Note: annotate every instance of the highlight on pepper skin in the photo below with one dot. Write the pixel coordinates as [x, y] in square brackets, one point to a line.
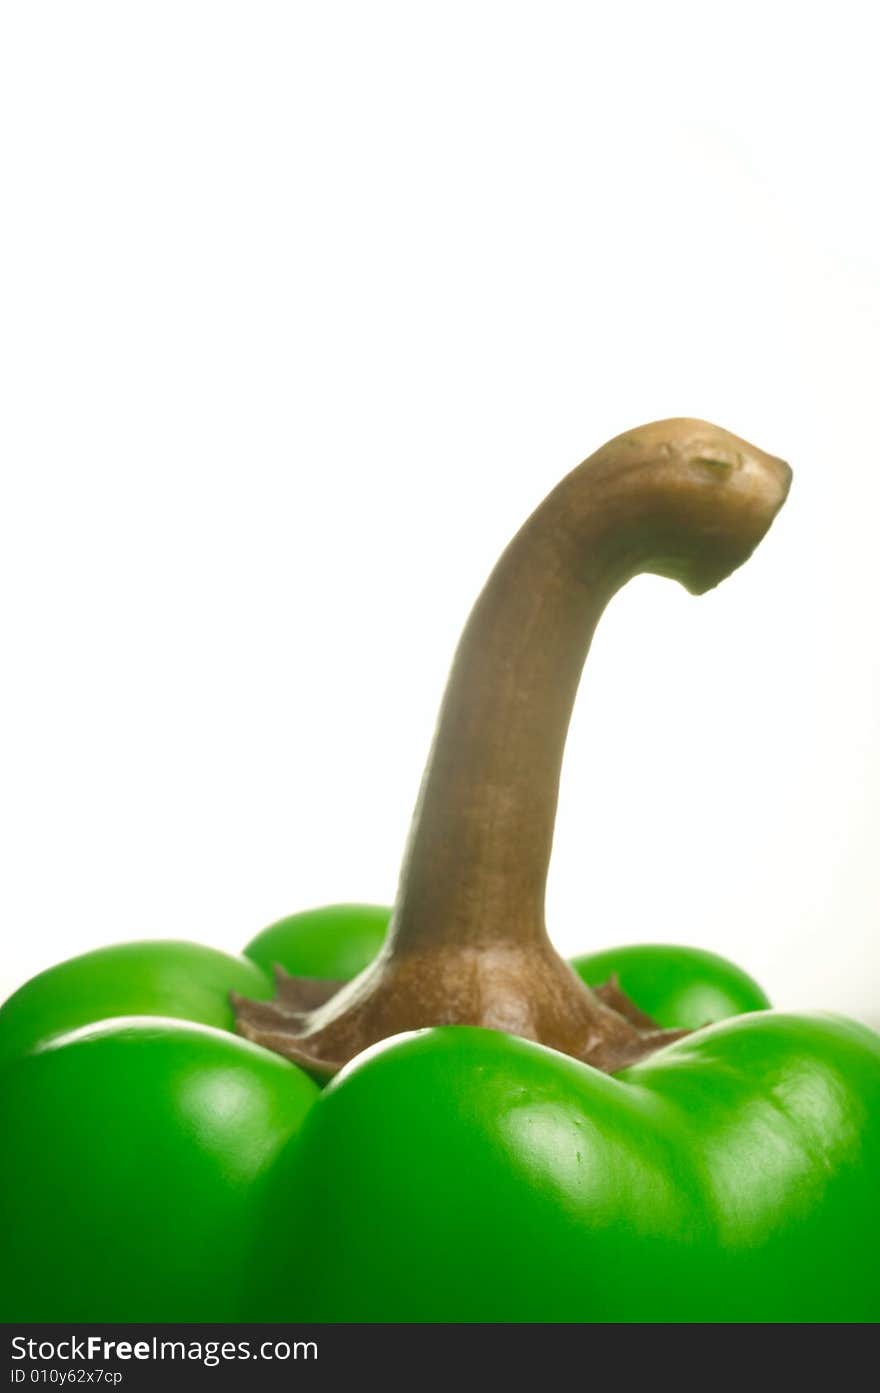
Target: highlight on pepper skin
[320, 1128]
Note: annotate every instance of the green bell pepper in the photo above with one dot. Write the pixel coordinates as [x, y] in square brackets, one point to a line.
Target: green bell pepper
[503, 1136]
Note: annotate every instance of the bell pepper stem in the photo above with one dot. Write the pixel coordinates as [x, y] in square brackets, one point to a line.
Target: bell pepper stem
[467, 942]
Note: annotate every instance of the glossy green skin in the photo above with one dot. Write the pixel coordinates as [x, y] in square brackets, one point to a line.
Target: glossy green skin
[680, 988]
[153, 978]
[135, 1160]
[167, 1171]
[336, 942]
[731, 1177]
[136, 1151]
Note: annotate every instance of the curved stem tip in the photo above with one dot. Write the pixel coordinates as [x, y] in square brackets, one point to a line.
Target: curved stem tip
[467, 943]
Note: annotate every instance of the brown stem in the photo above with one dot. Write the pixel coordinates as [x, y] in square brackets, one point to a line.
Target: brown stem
[467, 942]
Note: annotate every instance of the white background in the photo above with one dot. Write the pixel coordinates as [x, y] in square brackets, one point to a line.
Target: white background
[304, 308]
